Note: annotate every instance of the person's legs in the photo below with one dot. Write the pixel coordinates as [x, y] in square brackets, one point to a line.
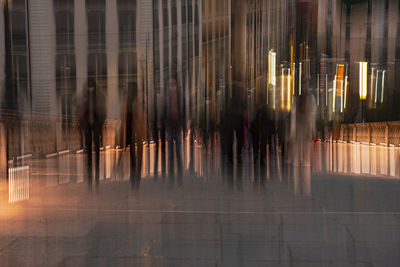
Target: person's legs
[178, 142]
[229, 147]
[170, 151]
[88, 143]
[156, 152]
[132, 158]
[162, 137]
[307, 152]
[96, 137]
[191, 150]
[240, 141]
[263, 149]
[255, 139]
[139, 156]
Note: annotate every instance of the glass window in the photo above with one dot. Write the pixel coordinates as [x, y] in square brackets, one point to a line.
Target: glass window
[95, 4]
[64, 30]
[126, 4]
[127, 69]
[196, 15]
[156, 21]
[96, 29]
[127, 29]
[165, 17]
[65, 72]
[183, 13]
[63, 4]
[190, 15]
[18, 29]
[174, 15]
[18, 5]
[97, 64]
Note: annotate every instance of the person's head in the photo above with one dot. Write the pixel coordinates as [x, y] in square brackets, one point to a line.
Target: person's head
[91, 84]
[172, 84]
[133, 89]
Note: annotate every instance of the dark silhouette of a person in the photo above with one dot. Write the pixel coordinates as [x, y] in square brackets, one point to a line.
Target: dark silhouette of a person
[92, 116]
[134, 132]
[174, 128]
[262, 129]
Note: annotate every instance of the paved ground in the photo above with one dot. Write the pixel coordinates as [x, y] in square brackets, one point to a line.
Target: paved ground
[295, 218]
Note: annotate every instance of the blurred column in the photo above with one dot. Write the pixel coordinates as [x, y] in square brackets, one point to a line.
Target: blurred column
[42, 56]
[80, 44]
[303, 39]
[144, 35]
[112, 41]
[239, 8]
[3, 152]
[2, 55]
[3, 139]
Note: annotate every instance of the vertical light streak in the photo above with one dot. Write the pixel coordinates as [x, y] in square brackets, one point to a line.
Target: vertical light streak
[376, 86]
[318, 90]
[363, 79]
[383, 85]
[345, 91]
[334, 95]
[341, 96]
[326, 90]
[293, 77]
[272, 74]
[282, 91]
[271, 68]
[300, 78]
[288, 91]
[372, 86]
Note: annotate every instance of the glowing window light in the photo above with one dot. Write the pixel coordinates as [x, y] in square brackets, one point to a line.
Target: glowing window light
[318, 89]
[346, 84]
[293, 77]
[334, 94]
[272, 75]
[383, 85]
[339, 78]
[326, 90]
[282, 90]
[288, 91]
[300, 78]
[376, 86]
[272, 68]
[286, 97]
[363, 70]
[341, 96]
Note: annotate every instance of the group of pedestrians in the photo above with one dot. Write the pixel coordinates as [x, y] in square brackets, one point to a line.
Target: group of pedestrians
[289, 133]
[134, 132]
[292, 133]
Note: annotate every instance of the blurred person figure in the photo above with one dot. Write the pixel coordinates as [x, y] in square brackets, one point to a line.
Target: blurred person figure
[134, 130]
[261, 129]
[303, 128]
[159, 127]
[233, 123]
[174, 128]
[92, 114]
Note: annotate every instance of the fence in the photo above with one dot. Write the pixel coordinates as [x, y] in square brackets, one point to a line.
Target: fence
[379, 133]
[18, 183]
[40, 134]
[357, 159]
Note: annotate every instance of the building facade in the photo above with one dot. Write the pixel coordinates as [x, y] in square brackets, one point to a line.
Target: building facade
[51, 47]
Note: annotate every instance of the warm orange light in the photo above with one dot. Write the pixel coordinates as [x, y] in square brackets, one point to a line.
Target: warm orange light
[282, 91]
[272, 68]
[286, 96]
[288, 92]
[339, 79]
[363, 79]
